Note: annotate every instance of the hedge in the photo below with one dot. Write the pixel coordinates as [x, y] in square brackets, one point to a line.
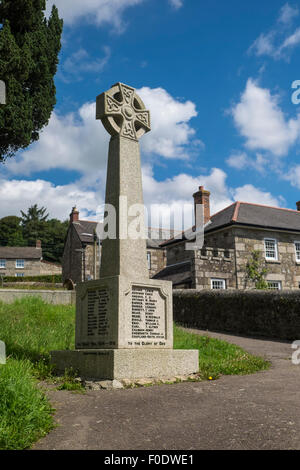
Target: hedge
[53, 278]
[272, 314]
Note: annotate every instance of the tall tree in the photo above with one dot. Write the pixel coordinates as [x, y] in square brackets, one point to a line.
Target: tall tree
[29, 48]
[11, 231]
[52, 232]
[34, 224]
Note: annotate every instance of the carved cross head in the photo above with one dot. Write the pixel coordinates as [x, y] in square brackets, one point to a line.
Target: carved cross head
[122, 112]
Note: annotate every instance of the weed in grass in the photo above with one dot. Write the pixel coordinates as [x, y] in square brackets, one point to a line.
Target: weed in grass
[70, 382]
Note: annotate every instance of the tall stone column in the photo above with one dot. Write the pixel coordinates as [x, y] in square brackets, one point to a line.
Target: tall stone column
[124, 116]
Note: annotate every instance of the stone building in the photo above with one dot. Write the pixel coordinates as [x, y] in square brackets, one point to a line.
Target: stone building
[231, 236]
[82, 251]
[25, 261]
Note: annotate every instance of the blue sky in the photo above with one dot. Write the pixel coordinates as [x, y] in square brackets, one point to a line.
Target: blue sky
[217, 77]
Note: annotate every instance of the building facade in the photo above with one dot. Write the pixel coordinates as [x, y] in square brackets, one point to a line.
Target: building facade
[25, 261]
[230, 238]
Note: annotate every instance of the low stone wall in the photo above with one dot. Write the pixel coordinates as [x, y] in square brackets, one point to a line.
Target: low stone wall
[50, 296]
[255, 313]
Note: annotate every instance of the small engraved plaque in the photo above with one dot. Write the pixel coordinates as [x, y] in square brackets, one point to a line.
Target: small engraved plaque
[148, 314]
[98, 320]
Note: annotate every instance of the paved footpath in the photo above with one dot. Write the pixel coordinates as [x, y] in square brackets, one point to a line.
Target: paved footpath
[260, 411]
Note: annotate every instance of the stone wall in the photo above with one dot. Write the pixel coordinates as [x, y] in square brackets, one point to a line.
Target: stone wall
[177, 253]
[158, 260]
[214, 263]
[49, 296]
[285, 269]
[49, 268]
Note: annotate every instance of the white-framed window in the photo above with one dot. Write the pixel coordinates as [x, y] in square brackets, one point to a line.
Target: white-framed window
[20, 263]
[19, 274]
[218, 284]
[2, 263]
[149, 260]
[297, 250]
[271, 250]
[274, 285]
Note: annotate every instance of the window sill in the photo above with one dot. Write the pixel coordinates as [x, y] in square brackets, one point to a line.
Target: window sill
[273, 261]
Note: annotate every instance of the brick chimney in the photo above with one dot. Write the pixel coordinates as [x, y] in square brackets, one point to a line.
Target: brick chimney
[202, 197]
[298, 206]
[38, 244]
[74, 216]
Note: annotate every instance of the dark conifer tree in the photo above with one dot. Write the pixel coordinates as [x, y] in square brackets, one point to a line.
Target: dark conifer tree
[29, 49]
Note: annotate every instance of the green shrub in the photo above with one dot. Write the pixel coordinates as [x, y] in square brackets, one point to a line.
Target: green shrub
[273, 314]
[53, 278]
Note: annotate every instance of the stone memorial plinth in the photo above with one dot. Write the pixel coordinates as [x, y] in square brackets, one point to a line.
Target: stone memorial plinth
[124, 320]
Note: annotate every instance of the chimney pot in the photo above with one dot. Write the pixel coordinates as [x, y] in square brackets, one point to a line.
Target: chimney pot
[202, 197]
[38, 244]
[74, 216]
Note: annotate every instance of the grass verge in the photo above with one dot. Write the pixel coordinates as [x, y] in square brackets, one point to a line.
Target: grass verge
[217, 357]
[25, 413]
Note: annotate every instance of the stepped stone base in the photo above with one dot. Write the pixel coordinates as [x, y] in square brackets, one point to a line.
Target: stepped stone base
[127, 363]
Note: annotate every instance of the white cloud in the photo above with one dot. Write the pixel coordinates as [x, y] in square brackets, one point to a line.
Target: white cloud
[97, 12]
[261, 121]
[80, 62]
[78, 142]
[291, 40]
[263, 45]
[170, 118]
[249, 193]
[241, 160]
[74, 142]
[18, 195]
[280, 39]
[293, 176]
[176, 3]
[287, 13]
[170, 194]
[238, 160]
[180, 188]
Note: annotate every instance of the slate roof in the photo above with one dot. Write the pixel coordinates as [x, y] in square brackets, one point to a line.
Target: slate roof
[256, 215]
[85, 230]
[178, 273]
[20, 252]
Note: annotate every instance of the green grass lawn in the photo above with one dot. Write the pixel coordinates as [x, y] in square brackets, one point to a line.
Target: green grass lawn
[217, 357]
[31, 329]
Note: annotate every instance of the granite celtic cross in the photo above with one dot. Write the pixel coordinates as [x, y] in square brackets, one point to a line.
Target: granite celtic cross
[123, 113]
[124, 320]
